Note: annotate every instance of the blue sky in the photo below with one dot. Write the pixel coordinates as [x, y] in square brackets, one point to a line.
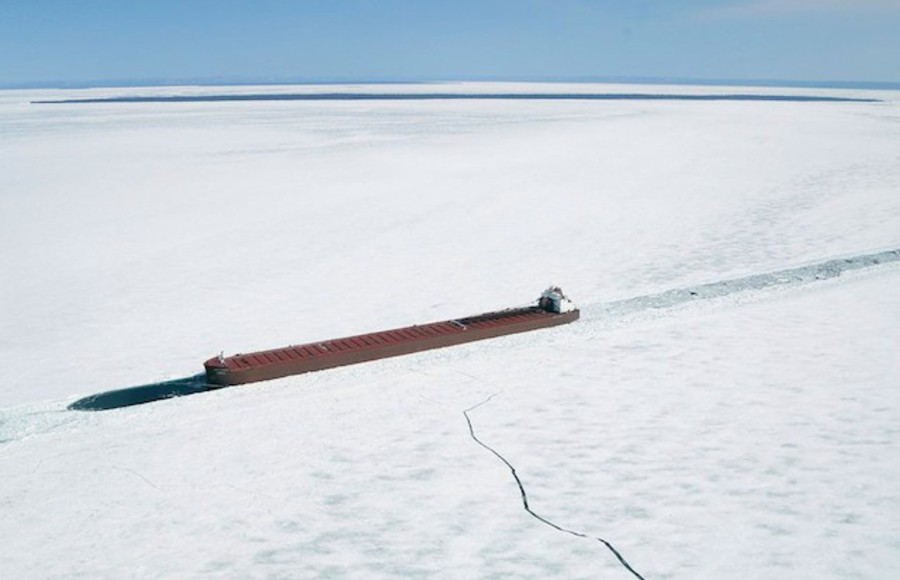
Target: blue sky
[69, 41]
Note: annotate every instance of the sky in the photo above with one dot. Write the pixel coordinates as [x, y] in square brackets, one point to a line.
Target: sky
[109, 41]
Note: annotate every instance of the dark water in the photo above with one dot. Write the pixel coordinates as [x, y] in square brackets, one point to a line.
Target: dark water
[457, 97]
[143, 394]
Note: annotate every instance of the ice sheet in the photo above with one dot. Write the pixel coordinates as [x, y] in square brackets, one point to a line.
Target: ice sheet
[744, 436]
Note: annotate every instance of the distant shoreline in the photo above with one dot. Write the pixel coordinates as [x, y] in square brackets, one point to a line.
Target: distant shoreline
[237, 82]
[455, 97]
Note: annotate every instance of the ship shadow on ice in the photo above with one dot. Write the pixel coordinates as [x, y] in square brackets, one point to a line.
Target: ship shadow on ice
[143, 394]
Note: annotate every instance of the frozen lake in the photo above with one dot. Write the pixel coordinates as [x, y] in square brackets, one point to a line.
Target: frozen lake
[730, 434]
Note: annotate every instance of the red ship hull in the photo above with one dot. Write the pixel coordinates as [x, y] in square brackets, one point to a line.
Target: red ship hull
[316, 356]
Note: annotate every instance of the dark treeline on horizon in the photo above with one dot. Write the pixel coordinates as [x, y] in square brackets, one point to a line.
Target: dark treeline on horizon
[454, 96]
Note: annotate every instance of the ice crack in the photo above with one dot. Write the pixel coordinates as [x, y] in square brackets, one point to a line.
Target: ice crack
[524, 494]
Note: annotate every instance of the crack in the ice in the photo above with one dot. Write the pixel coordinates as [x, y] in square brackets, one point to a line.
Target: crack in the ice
[135, 473]
[524, 495]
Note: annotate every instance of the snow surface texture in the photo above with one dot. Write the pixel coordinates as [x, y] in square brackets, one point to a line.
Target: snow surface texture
[739, 435]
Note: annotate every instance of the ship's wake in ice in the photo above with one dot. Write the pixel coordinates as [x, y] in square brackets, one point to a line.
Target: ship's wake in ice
[782, 278]
[142, 394]
[591, 315]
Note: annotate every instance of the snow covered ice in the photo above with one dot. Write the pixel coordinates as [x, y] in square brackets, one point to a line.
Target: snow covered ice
[746, 434]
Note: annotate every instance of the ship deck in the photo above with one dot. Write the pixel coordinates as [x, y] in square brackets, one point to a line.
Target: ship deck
[294, 359]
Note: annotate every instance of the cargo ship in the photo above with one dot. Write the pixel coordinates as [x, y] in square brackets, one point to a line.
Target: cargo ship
[553, 308]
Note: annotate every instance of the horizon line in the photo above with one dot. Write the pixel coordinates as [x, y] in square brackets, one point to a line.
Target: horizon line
[583, 79]
[242, 97]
